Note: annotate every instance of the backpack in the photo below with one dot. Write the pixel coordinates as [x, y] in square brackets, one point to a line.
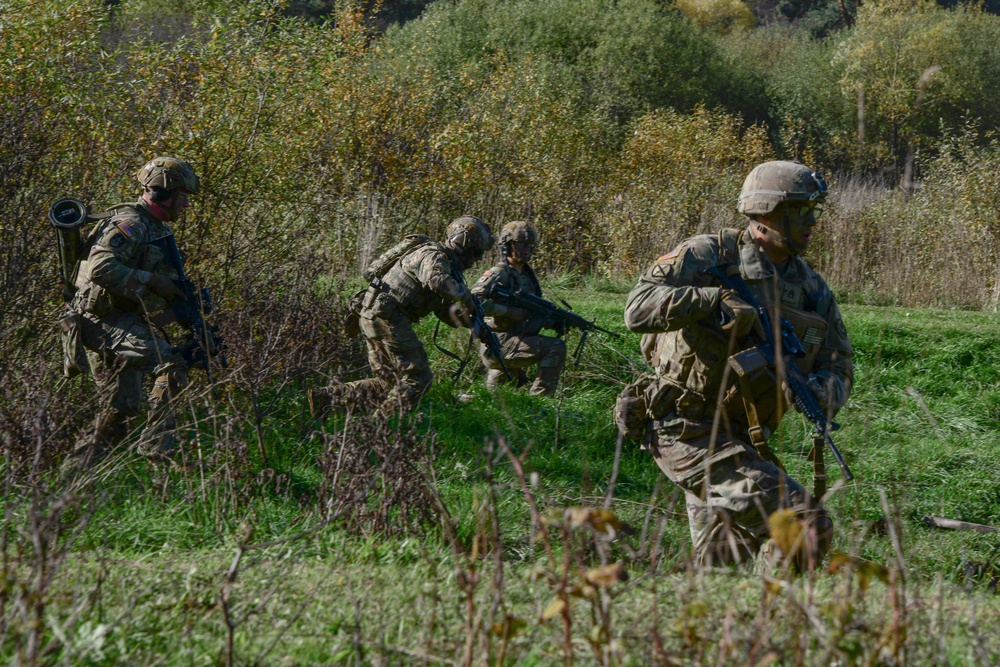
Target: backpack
[381, 265]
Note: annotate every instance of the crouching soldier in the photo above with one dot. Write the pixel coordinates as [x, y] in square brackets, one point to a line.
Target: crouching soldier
[413, 279]
[519, 329]
[122, 282]
[703, 334]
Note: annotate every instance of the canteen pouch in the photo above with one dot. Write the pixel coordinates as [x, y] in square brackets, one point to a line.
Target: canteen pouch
[74, 354]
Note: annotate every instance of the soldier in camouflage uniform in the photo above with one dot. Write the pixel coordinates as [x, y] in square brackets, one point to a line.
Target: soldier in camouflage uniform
[427, 278]
[123, 282]
[517, 328]
[732, 481]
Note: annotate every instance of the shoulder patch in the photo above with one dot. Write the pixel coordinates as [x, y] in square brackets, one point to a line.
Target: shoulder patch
[487, 273]
[126, 228]
[117, 241]
[671, 255]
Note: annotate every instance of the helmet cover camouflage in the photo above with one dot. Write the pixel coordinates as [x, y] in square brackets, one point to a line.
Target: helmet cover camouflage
[518, 231]
[770, 184]
[168, 173]
[469, 234]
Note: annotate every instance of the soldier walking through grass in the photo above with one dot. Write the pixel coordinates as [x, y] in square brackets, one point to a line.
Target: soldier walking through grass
[411, 280]
[124, 280]
[704, 343]
[519, 329]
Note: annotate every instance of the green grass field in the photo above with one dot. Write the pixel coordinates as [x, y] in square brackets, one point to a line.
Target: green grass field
[303, 560]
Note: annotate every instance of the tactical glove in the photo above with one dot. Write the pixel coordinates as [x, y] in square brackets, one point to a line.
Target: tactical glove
[163, 286]
[738, 317]
[468, 301]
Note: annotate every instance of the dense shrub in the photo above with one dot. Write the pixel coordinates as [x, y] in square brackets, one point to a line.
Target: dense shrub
[628, 56]
[816, 123]
[921, 68]
[605, 123]
[679, 174]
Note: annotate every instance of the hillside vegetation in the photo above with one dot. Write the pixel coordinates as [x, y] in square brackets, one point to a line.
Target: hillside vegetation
[618, 128]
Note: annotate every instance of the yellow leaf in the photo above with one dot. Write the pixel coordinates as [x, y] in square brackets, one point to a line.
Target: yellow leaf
[866, 569]
[786, 530]
[600, 520]
[774, 586]
[606, 575]
[554, 609]
[509, 627]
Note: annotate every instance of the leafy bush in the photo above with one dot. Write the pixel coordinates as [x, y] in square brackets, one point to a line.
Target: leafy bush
[922, 68]
[628, 56]
[815, 122]
[679, 175]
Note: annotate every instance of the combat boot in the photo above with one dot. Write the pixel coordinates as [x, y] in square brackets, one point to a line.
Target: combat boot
[94, 447]
[546, 382]
[322, 400]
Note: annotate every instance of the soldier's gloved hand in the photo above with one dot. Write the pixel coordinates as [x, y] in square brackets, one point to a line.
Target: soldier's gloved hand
[817, 388]
[163, 286]
[736, 315]
[468, 302]
[460, 313]
[789, 396]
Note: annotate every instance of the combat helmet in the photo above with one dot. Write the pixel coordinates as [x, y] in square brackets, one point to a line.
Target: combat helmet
[788, 193]
[770, 184]
[168, 173]
[469, 237]
[517, 231]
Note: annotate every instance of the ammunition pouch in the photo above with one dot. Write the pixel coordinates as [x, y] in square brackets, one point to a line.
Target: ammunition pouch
[631, 414]
[74, 353]
[664, 397]
[753, 397]
[352, 323]
[95, 301]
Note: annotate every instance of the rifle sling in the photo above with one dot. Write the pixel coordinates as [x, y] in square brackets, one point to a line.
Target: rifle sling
[819, 468]
[755, 431]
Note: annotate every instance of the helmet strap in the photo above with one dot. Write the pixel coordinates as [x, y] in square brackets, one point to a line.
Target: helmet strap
[780, 239]
[159, 212]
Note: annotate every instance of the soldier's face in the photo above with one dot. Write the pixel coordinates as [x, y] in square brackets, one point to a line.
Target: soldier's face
[522, 252]
[177, 204]
[801, 222]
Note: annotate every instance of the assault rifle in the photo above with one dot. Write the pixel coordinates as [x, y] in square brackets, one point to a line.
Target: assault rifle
[791, 348]
[562, 318]
[189, 309]
[481, 330]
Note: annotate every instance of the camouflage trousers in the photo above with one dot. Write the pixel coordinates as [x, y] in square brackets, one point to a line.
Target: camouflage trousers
[521, 351]
[398, 360]
[730, 491]
[121, 350]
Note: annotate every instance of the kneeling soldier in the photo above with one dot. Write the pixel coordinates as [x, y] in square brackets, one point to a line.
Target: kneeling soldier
[518, 328]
